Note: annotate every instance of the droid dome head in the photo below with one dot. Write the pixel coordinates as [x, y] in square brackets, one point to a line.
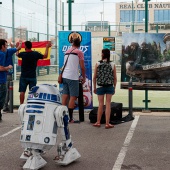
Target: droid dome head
[44, 93]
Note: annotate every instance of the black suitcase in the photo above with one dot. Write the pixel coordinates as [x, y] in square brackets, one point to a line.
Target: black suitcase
[115, 116]
[93, 116]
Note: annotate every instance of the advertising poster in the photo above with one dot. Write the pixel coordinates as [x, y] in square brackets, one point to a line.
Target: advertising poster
[65, 38]
[109, 42]
[39, 47]
[146, 59]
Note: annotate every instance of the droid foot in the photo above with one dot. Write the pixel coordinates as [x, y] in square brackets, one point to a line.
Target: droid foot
[26, 154]
[71, 155]
[34, 162]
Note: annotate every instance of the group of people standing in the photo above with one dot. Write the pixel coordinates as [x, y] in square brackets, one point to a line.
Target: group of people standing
[28, 70]
[104, 79]
[104, 72]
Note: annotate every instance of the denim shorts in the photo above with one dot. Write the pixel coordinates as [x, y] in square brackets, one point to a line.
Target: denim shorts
[71, 87]
[24, 82]
[105, 90]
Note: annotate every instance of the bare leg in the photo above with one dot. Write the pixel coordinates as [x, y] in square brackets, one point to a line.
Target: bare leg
[108, 109]
[100, 108]
[65, 99]
[22, 97]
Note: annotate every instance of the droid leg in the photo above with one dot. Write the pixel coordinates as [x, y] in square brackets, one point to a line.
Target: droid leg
[66, 152]
[34, 161]
[21, 111]
[28, 152]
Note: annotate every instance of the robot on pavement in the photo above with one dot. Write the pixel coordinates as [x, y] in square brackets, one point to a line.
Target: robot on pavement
[41, 118]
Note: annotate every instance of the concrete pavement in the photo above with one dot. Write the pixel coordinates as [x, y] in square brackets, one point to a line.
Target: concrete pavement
[141, 144]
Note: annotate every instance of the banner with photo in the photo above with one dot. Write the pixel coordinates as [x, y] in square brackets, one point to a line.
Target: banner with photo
[146, 60]
[39, 47]
[65, 38]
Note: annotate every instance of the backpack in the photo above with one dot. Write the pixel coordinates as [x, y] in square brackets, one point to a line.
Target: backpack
[104, 74]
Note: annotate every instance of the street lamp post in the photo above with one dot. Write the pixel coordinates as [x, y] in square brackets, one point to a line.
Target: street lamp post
[101, 20]
[31, 13]
[103, 17]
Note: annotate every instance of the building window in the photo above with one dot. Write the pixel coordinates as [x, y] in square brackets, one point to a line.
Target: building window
[162, 16]
[126, 16]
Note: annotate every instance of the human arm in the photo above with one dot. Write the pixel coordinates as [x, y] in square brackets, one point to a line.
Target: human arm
[18, 47]
[115, 76]
[46, 50]
[2, 68]
[83, 70]
[94, 79]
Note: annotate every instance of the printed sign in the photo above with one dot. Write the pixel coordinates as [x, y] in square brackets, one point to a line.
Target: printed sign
[146, 59]
[109, 42]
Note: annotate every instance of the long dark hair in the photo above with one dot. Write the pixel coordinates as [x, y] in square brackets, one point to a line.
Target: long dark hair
[106, 54]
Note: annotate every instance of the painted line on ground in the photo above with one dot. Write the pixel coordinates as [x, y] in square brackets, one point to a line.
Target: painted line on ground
[6, 134]
[122, 154]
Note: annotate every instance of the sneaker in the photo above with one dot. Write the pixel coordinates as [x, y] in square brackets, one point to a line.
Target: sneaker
[6, 109]
[74, 121]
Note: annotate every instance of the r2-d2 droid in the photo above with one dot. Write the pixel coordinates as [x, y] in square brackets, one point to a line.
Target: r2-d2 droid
[41, 117]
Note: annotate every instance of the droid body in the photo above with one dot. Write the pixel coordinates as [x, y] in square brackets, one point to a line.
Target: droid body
[41, 118]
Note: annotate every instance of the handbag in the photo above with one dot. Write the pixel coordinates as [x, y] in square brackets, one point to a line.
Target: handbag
[60, 78]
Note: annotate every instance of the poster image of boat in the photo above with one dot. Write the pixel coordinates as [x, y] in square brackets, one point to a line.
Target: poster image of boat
[146, 59]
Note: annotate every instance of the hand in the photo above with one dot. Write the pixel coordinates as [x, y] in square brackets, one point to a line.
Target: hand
[94, 91]
[18, 43]
[49, 44]
[10, 67]
[11, 44]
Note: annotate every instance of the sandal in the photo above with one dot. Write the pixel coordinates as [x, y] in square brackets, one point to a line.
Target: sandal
[96, 124]
[108, 126]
